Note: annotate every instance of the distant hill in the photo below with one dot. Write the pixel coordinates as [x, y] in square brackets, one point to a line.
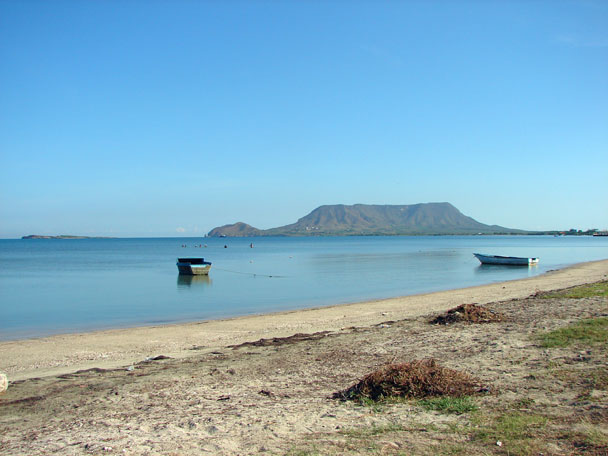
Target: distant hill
[373, 219]
[238, 229]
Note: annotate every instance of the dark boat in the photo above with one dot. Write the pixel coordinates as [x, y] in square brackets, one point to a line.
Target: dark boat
[511, 261]
[193, 266]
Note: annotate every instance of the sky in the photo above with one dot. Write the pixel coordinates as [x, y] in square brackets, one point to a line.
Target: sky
[169, 118]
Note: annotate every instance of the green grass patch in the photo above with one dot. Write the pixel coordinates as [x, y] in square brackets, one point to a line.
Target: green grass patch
[513, 426]
[583, 291]
[517, 432]
[372, 405]
[524, 402]
[594, 435]
[447, 404]
[589, 332]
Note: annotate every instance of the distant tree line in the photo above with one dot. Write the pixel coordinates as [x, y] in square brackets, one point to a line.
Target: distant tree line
[570, 232]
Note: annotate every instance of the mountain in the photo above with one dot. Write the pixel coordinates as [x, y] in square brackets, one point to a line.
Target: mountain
[373, 219]
[238, 229]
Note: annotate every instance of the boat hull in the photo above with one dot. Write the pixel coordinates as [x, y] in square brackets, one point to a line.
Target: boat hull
[193, 266]
[509, 261]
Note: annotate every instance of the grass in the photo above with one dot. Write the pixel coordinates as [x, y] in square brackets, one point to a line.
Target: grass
[517, 432]
[588, 332]
[524, 402]
[594, 434]
[583, 291]
[374, 406]
[443, 404]
[591, 378]
[598, 378]
[447, 404]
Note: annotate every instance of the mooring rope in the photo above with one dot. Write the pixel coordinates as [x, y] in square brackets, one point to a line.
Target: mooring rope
[251, 273]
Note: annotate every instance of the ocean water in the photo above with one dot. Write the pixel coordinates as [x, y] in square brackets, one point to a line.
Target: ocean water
[60, 286]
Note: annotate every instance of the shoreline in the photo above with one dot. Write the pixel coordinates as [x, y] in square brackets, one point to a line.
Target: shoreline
[61, 354]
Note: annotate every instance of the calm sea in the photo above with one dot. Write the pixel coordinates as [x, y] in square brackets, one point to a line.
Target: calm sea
[57, 286]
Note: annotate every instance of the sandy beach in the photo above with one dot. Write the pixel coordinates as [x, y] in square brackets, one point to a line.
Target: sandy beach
[244, 386]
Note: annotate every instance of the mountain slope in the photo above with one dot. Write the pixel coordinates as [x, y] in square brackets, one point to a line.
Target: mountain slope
[238, 229]
[372, 219]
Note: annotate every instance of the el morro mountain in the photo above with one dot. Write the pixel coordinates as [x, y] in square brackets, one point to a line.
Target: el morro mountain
[373, 219]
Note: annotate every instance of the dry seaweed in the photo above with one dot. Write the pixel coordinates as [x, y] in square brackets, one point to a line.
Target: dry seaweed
[277, 341]
[469, 313]
[416, 379]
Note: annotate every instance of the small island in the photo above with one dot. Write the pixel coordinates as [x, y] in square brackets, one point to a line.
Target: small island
[62, 236]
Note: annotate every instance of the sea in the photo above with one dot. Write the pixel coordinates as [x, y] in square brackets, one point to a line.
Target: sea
[54, 286]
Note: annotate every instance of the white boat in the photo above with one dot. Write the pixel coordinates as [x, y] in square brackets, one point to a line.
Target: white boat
[512, 261]
[193, 266]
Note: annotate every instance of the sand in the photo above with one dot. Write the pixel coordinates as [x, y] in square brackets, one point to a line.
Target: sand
[217, 388]
[60, 354]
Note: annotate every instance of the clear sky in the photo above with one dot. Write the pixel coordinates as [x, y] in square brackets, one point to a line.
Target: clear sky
[168, 118]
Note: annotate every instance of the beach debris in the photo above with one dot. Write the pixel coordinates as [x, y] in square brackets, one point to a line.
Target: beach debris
[415, 379]
[3, 382]
[224, 397]
[131, 368]
[276, 341]
[156, 358]
[212, 429]
[25, 400]
[82, 372]
[266, 393]
[469, 313]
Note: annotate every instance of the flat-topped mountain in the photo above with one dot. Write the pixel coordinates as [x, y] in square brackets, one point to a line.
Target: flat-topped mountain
[373, 219]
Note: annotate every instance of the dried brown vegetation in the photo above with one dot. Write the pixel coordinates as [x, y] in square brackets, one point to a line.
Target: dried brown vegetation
[278, 341]
[416, 379]
[469, 313]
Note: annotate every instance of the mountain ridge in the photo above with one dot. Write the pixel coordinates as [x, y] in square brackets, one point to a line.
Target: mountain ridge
[373, 219]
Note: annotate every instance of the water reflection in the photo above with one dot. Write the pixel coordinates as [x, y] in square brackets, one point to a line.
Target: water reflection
[502, 268]
[187, 281]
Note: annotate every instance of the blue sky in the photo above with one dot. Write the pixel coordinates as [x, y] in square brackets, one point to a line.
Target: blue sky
[168, 118]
